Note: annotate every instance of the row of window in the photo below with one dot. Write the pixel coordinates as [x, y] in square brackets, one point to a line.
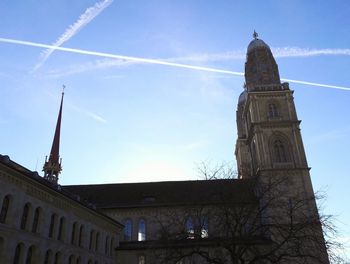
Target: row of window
[78, 231]
[31, 257]
[194, 228]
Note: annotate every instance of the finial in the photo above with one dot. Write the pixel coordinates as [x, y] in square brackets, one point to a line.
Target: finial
[255, 35]
[63, 87]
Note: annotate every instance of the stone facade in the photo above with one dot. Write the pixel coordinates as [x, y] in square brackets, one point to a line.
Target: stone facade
[41, 224]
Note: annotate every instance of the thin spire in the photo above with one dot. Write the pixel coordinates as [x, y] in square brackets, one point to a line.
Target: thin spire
[52, 167]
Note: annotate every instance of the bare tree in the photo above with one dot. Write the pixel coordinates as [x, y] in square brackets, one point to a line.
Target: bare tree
[266, 224]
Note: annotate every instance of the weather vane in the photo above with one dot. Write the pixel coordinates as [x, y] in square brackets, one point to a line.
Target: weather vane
[255, 35]
[63, 87]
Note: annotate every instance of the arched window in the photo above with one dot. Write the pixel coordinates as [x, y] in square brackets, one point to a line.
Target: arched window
[4, 208]
[142, 230]
[30, 253]
[61, 229]
[91, 238]
[58, 257]
[204, 226]
[18, 254]
[111, 248]
[280, 152]
[273, 111]
[48, 257]
[106, 245]
[36, 220]
[127, 230]
[71, 259]
[25, 214]
[74, 230]
[97, 241]
[52, 225]
[190, 228]
[81, 233]
[142, 259]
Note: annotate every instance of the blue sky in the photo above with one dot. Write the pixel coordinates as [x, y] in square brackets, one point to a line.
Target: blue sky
[132, 121]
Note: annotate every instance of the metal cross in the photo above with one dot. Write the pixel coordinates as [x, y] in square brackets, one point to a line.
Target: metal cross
[255, 35]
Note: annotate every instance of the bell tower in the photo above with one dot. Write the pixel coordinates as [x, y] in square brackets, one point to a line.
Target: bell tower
[269, 139]
[270, 150]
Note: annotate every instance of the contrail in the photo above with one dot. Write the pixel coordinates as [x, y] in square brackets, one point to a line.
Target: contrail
[73, 29]
[153, 61]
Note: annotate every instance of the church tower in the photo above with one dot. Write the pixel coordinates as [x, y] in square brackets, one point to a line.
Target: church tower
[269, 139]
[52, 167]
[270, 150]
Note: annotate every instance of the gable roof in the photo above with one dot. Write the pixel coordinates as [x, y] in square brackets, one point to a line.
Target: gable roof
[169, 193]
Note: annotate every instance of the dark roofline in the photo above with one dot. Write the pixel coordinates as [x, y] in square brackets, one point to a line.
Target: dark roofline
[166, 193]
[34, 175]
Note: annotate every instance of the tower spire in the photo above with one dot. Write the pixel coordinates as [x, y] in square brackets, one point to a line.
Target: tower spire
[52, 167]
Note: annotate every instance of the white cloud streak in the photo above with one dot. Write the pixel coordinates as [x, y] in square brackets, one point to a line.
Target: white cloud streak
[277, 53]
[301, 52]
[88, 113]
[89, 66]
[84, 19]
[155, 61]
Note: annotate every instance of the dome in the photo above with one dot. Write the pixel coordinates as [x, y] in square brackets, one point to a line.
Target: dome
[257, 43]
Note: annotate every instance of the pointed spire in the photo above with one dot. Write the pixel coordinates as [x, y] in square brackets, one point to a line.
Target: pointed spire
[52, 167]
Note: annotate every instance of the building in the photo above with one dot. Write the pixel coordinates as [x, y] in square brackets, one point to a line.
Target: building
[267, 215]
[41, 223]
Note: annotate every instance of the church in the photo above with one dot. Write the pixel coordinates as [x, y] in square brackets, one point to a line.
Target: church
[268, 214]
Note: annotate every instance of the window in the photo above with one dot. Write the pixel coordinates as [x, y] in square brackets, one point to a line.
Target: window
[4, 208]
[204, 226]
[280, 154]
[97, 241]
[91, 237]
[18, 254]
[273, 111]
[142, 230]
[142, 260]
[57, 258]
[81, 231]
[106, 245]
[127, 230]
[52, 225]
[36, 220]
[79, 260]
[111, 248]
[190, 228]
[48, 257]
[61, 229]
[74, 230]
[30, 253]
[71, 259]
[25, 216]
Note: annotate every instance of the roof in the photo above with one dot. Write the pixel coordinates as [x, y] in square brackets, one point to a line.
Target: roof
[257, 43]
[169, 193]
